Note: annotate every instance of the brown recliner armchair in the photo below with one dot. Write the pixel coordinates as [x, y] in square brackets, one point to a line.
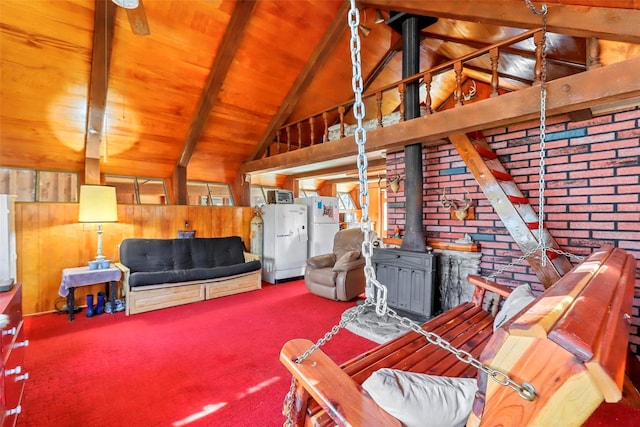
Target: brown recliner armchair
[338, 275]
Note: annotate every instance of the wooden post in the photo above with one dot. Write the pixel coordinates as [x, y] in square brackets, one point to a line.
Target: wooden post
[402, 89]
[278, 141]
[341, 112]
[288, 138]
[92, 170]
[312, 128]
[537, 69]
[593, 53]
[457, 67]
[427, 101]
[299, 135]
[325, 117]
[379, 108]
[494, 55]
[180, 191]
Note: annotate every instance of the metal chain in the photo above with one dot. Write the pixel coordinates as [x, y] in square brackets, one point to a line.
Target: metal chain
[541, 246]
[378, 292]
[375, 289]
[524, 390]
[532, 8]
[350, 317]
[365, 223]
[543, 115]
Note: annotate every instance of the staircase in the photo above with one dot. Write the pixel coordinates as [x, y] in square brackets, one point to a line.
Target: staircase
[510, 204]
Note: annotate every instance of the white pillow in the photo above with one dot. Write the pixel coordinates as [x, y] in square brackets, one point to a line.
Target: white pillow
[418, 400]
[516, 301]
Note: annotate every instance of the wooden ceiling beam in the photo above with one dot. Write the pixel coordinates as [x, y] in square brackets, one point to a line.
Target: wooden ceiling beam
[552, 59]
[103, 29]
[396, 47]
[323, 173]
[581, 21]
[318, 57]
[230, 41]
[352, 180]
[564, 95]
[502, 75]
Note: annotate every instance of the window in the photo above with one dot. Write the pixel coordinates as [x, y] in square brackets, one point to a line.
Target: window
[39, 186]
[259, 195]
[308, 193]
[346, 202]
[209, 194]
[152, 191]
[141, 191]
[57, 186]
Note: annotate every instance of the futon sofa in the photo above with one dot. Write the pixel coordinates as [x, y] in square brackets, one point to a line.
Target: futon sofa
[160, 273]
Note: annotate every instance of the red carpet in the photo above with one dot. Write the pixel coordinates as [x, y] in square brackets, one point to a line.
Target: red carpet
[213, 363]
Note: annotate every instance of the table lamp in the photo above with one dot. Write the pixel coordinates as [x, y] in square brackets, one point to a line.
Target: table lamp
[98, 204]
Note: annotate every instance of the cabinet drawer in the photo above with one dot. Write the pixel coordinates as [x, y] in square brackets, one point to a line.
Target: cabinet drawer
[233, 286]
[14, 374]
[13, 309]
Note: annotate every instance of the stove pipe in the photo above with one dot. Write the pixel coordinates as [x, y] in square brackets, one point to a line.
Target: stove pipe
[414, 238]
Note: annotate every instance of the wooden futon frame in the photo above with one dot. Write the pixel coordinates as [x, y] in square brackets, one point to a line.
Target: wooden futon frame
[570, 343]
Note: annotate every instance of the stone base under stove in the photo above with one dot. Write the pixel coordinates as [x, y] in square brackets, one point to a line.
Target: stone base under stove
[378, 329]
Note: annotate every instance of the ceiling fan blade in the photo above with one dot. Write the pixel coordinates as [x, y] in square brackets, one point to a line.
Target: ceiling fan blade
[138, 20]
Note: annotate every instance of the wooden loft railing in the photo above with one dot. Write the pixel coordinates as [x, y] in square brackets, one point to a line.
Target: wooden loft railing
[314, 129]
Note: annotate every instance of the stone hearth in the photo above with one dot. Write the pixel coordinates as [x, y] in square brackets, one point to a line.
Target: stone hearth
[453, 268]
[369, 325]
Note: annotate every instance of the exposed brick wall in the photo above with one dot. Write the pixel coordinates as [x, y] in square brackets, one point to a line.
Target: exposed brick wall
[592, 192]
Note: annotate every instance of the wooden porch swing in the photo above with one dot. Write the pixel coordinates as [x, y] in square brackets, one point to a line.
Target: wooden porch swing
[570, 344]
[552, 364]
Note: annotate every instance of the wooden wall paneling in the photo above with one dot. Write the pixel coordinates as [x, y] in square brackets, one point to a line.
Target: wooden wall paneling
[60, 225]
[50, 239]
[27, 237]
[170, 222]
[161, 222]
[47, 222]
[152, 225]
[138, 229]
[171, 218]
[123, 229]
[218, 222]
[200, 220]
[207, 221]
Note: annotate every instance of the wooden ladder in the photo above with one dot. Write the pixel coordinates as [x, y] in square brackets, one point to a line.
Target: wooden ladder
[513, 208]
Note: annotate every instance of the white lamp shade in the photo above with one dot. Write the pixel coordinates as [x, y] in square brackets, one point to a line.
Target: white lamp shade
[127, 4]
[98, 204]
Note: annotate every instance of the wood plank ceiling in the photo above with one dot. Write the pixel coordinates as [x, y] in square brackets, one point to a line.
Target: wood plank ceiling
[207, 89]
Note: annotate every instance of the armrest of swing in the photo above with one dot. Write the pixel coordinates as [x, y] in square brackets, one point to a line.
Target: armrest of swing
[332, 388]
[482, 285]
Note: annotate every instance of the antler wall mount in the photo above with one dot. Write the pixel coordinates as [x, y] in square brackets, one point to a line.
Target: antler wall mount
[469, 95]
[393, 184]
[461, 209]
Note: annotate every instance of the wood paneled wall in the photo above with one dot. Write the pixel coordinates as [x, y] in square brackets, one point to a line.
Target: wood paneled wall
[50, 238]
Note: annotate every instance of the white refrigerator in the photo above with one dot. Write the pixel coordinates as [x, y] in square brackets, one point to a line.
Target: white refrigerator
[323, 223]
[8, 253]
[285, 241]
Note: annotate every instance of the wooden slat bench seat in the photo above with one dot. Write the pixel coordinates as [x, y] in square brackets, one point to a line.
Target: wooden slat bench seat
[570, 343]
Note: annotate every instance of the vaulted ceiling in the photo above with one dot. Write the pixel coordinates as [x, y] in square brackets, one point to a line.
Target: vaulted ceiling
[214, 80]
